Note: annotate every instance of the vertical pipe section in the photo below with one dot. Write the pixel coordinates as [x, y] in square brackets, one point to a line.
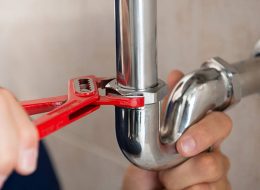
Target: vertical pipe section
[136, 48]
[137, 130]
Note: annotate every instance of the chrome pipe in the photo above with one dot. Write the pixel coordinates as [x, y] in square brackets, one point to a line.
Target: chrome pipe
[249, 72]
[146, 138]
[136, 52]
[215, 87]
[137, 130]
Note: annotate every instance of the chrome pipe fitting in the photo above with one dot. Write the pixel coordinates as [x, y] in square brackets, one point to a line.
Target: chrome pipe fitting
[146, 138]
[215, 87]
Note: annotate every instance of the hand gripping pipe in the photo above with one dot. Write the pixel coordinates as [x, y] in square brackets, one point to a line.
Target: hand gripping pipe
[145, 138]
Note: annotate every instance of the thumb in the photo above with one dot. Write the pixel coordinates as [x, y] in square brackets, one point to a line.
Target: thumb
[173, 78]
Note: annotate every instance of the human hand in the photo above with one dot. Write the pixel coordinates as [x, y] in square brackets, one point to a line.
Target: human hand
[18, 138]
[204, 170]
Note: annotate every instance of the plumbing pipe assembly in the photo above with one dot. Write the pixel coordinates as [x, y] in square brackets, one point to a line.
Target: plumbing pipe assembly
[146, 137]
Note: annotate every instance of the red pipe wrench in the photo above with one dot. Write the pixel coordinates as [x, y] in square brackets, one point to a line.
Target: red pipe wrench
[82, 99]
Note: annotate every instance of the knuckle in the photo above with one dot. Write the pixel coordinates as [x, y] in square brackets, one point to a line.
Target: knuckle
[226, 162]
[5, 98]
[211, 168]
[227, 121]
[29, 137]
[5, 93]
[207, 162]
[176, 73]
[224, 120]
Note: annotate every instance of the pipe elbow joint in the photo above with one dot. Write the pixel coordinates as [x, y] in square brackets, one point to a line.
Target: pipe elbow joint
[214, 87]
[149, 140]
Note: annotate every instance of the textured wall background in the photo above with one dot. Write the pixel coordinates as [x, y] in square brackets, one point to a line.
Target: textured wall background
[44, 43]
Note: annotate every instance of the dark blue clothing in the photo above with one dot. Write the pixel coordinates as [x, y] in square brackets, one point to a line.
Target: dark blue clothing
[44, 178]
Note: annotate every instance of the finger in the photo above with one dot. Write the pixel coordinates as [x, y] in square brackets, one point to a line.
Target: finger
[211, 130]
[222, 184]
[136, 178]
[8, 138]
[27, 136]
[204, 168]
[173, 78]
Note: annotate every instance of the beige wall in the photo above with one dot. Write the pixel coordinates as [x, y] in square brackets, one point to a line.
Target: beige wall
[44, 43]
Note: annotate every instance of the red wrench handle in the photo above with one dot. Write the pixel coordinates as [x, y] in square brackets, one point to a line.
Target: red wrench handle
[43, 105]
[59, 113]
[62, 117]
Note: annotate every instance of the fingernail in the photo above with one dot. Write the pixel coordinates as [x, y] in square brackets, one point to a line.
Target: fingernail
[28, 160]
[2, 181]
[188, 144]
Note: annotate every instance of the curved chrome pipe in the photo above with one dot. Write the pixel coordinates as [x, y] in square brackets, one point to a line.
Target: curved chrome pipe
[144, 139]
[215, 87]
[210, 88]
